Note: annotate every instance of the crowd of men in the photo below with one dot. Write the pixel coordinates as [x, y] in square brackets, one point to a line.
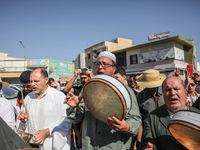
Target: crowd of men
[57, 118]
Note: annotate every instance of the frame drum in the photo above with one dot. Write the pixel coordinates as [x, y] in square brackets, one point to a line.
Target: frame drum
[106, 97]
[185, 128]
[25, 136]
[29, 149]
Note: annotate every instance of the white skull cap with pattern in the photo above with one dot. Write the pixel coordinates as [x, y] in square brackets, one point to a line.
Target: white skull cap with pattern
[108, 54]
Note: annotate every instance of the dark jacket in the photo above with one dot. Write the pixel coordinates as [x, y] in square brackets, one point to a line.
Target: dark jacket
[156, 131]
[197, 104]
[147, 102]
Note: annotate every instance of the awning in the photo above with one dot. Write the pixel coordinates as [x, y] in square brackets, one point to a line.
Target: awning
[58, 75]
[10, 74]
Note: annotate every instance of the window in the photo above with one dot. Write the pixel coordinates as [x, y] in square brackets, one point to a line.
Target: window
[88, 56]
[133, 59]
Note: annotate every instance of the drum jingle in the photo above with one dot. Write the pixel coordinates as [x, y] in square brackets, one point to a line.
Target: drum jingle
[105, 96]
[185, 128]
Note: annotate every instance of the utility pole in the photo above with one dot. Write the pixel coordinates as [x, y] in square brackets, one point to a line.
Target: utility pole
[24, 53]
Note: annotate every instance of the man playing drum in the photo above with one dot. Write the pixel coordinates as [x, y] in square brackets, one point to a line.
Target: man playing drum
[156, 134]
[114, 134]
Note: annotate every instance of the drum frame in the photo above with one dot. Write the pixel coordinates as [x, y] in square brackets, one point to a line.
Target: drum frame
[181, 124]
[126, 109]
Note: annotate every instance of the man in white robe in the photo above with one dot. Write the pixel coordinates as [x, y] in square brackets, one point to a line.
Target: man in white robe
[46, 114]
[7, 112]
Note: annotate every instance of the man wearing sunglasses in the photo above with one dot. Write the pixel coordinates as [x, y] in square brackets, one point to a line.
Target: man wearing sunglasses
[114, 134]
[25, 81]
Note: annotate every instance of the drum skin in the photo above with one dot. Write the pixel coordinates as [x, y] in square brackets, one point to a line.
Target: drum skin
[106, 97]
[29, 149]
[185, 128]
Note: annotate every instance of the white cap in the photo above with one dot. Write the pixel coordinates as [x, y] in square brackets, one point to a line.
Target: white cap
[108, 54]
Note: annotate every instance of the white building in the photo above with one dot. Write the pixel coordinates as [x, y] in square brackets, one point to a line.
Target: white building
[11, 68]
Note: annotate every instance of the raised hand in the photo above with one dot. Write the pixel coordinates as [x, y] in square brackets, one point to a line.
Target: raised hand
[89, 73]
[72, 100]
[76, 72]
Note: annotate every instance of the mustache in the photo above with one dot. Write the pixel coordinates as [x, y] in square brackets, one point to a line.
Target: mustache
[174, 97]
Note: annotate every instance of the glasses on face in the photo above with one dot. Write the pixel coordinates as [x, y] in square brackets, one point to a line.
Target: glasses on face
[54, 87]
[104, 65]
[26, 86]
[192, 84]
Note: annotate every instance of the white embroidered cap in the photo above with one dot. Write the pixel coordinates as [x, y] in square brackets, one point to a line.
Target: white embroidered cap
[108, 54]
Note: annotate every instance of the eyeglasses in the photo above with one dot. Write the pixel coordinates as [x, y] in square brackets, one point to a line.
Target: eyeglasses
[192, 84]
[26, 86]
[54, 87]
[197, 82]
[104, 65]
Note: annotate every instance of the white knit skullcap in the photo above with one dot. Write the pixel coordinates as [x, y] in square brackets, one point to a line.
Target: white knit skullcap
[108, 54]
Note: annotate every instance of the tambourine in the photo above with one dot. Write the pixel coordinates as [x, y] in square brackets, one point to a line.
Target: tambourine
[185, 128]
[105, 96]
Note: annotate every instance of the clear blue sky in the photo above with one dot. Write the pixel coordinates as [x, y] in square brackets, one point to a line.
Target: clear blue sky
[61, 29]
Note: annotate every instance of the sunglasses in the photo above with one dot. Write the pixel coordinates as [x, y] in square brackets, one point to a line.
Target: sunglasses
[192, 84]
[54, 87]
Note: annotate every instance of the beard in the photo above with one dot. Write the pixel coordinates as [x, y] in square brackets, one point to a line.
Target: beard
[36, 91]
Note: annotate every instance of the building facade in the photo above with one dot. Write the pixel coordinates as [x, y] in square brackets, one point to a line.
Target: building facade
[92, 52]
[61, 71]
[11, 68]
[164, 55]
[80, 61]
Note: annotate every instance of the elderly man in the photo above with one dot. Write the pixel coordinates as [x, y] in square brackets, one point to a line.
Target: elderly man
[114, 134]
[46, 114]
[156, 134]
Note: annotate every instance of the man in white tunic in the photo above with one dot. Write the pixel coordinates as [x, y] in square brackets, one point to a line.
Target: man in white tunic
[7, 112]
[46, 114]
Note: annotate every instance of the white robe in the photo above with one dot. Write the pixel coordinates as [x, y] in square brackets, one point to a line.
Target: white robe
[7, 112]
[48, 111]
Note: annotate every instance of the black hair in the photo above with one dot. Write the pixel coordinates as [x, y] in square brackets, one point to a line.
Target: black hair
[25, 76]
[131, 76]
[51, 79]
[44, 73]
[121, 71]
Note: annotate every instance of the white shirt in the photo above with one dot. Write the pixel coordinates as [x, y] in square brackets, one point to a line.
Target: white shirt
[7, 112]
[1, 93]
[48, 111]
